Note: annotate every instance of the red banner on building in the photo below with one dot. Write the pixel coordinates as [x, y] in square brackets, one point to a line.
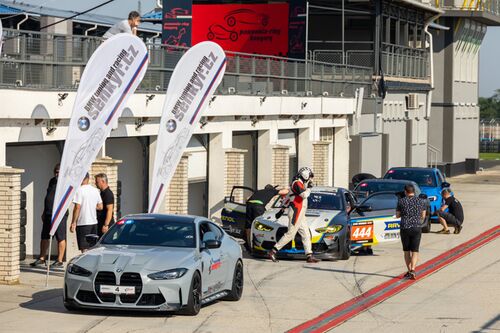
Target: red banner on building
[259, 28]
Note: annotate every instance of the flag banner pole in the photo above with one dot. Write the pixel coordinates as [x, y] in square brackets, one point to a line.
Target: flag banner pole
[193, 82]
[111, 75]
[47, 261]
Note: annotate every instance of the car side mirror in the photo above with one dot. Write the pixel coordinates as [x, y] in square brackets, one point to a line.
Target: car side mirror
[92, 239]
[211, 244]
[362, 208]
[445, 185]
[422, 196]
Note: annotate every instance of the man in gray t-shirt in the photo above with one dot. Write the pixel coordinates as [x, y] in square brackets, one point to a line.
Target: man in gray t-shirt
[128, 26]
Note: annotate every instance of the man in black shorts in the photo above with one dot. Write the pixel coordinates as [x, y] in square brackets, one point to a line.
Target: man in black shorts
[46, 220]
[411, 209]
[256, 206]
[454, 216]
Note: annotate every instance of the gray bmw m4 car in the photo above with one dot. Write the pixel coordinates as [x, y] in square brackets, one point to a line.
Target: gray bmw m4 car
[157, 263]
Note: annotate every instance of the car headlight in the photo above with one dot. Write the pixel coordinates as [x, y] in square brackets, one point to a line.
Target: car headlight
[332, 229]
[262, 227]
[170, 274]
[77, 270]
[432, 198]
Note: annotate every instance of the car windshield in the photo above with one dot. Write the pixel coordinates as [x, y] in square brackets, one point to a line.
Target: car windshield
[381, 201]
[421, 177]
[380, 186]
[320, 200]
[151, 232]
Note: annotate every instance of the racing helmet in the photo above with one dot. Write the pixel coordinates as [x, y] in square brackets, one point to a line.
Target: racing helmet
[305, 174]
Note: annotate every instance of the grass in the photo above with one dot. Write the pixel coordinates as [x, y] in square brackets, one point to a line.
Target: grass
[489, 156]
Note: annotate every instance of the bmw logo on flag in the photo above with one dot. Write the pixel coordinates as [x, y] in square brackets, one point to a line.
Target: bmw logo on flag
[171, 126]
[83, 124]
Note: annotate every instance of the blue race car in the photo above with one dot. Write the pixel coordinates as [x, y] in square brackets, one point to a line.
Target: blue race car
[430, 180]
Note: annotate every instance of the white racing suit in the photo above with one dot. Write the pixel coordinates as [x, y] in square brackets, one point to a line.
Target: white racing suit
[297, 218]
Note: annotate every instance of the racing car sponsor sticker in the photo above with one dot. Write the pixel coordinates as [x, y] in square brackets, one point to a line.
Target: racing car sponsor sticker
[362, 231]
[214, 265]
[391, 225]
[117, 290]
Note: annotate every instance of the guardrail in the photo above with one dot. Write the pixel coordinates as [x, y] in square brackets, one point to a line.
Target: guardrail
[34, 60]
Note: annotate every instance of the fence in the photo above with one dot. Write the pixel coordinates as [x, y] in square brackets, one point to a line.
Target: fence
[35, 60]
[396, 60]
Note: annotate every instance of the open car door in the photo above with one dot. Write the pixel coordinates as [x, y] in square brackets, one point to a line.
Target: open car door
[233, 214]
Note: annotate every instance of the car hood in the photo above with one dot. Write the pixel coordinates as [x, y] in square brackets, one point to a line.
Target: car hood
[136, 258]
[315, 218]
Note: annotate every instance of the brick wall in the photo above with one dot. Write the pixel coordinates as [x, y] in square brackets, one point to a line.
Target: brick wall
[108, 166]
[176, 198]
[234, 171]
[320, 163]
[280, 165]
[10, 218]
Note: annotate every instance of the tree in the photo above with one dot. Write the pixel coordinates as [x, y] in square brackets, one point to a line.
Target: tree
[490, 107]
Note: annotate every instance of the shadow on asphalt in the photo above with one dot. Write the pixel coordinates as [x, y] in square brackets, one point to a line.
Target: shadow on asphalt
[43, 271]
[489, 325]
[52, 301]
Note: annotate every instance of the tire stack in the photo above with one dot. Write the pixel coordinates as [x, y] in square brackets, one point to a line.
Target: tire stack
[118, 199]
[22, 229]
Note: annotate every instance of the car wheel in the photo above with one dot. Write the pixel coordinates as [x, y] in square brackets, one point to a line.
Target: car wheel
[194, 301]
[70, 307]
[231, 21]
[345, 252]
[237, 288]
[427, 225]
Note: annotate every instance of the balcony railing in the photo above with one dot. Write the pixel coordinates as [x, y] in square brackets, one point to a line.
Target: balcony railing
[34, 60]
[405, 62]
[487, 6]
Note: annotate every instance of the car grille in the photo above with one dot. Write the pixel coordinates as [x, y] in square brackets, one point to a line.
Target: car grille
[268, 245]
[105, 278]
[151, 299]
[87, 296]
[131, 280]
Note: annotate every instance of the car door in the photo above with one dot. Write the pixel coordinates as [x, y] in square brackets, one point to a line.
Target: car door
[233, 215]
[211, 261]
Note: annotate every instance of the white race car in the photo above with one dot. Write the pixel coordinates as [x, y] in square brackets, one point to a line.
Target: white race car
[328, 220]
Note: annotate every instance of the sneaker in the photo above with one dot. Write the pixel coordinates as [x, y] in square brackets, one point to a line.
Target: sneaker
[457, 229]
[38, 262]
[444, 231]
[272, 255]
[413, 275]
[312, 260]
[57, 264]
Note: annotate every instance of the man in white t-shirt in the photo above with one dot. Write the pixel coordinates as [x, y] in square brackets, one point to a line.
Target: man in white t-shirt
[87, 200]
[128, 26]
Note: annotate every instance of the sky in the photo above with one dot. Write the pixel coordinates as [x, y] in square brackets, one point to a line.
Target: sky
[489, 66]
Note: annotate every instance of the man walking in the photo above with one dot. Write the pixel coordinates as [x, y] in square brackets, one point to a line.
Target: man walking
[87, 200]
[60, 234]
[105, 217]
[126, 26]
[411, 209]
[297, 215]
[455, 214]
[256, 206]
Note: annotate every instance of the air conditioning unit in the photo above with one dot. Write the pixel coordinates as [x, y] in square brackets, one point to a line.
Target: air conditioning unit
[412, 102]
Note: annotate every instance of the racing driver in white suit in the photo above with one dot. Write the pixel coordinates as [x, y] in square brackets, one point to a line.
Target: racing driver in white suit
[300, 191]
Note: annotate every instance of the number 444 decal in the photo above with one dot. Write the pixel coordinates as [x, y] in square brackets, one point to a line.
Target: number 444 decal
[362, 231]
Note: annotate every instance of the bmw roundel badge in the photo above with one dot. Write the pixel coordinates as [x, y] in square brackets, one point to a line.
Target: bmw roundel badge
[171, 125]
[83, 123]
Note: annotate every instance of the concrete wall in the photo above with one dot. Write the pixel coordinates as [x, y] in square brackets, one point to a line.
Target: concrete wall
[130, 172]
[38, 161]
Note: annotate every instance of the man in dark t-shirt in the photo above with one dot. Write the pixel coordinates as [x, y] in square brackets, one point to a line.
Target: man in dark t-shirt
[256, 206]
[105, 217]
[60, 233]
[454, 215]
